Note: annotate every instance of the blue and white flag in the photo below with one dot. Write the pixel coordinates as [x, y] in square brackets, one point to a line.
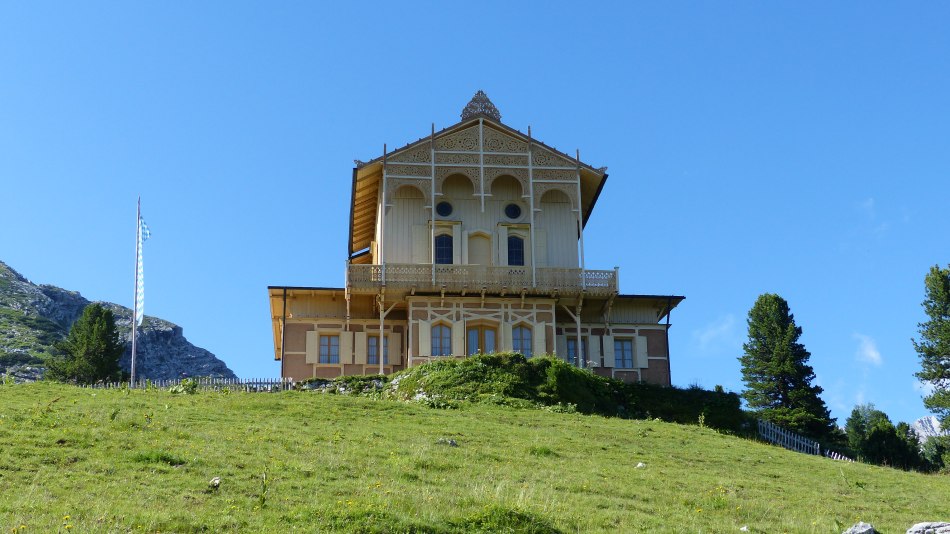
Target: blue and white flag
[143, 234]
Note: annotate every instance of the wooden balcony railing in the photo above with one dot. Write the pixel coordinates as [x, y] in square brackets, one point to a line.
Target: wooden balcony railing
[474, 278]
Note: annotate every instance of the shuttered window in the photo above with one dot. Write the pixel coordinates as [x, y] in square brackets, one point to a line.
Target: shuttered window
[329, 349]
[521, 340]
[515, 250]
[441, 340]
[372, 350]
[481, 339]
[443, 249]
[572, 349]
[623, 353]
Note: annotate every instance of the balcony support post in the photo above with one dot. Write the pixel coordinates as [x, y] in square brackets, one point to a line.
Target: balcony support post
[346, 286]
[283, 335]
[383, 312]
[576, 315]
[606, 311]
[581, 356]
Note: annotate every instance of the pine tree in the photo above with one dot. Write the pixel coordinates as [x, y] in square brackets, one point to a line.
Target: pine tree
[91, 351]
[934, 344]
[776, 372]
[874, 439]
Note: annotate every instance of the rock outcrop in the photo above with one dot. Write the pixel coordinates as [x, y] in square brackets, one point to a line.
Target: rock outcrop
[928, 427]
[930, 528]
[33, 317]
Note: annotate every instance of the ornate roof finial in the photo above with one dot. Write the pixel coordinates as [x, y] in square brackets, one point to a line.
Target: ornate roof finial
[481, 105]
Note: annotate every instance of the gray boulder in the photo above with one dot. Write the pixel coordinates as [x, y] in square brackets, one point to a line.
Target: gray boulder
[861, 528]
[930, 528]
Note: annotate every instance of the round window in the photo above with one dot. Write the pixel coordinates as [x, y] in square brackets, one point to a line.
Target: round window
[513, 211]
[444, 209]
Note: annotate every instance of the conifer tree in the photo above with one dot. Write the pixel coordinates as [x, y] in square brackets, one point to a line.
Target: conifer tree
[91, 351]
[934, 344]
[874, 439]
[776, 372]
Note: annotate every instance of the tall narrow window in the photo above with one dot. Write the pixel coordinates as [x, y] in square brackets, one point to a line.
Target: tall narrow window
[572, 349]
[515, 250]
[443, 249]
[441, 340]
[623, 353]
[329, 349]
[481, 339]
[521, 340]
[372, 350]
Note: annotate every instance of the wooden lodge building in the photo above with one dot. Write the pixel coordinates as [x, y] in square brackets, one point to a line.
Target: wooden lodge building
[471, 240]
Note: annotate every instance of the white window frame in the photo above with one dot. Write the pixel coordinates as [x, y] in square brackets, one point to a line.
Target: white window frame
[372, 350]
[444, 349]
[623, 346]
[326, 351]
[517, 338]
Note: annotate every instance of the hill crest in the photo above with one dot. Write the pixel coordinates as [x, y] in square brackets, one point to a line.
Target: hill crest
[35, 316]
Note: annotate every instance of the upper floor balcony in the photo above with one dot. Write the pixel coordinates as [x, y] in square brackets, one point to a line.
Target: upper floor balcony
[495, 280]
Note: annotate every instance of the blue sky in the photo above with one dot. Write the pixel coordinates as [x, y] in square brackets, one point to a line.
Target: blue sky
[799, 148]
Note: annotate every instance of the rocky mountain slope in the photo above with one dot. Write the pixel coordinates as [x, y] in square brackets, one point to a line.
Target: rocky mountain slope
[33, 317]
[928, 427]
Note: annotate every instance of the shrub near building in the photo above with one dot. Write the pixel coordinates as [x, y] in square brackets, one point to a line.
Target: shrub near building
[510, 378]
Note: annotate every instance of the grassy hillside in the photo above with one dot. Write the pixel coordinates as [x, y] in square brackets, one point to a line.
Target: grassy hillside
[24, 334]
[96, 460]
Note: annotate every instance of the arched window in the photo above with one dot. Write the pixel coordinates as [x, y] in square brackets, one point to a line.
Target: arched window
[481, 339]
[515, 250]
[443, 249]
[521, 340]
[441, 340]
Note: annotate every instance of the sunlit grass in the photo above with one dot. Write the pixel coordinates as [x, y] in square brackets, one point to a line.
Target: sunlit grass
[142, 461]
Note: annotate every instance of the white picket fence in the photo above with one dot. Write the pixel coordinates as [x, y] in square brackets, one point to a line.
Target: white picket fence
[794, 442]
[207, 383]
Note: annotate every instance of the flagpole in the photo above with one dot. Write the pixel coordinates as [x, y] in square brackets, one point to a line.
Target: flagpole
[135, 299]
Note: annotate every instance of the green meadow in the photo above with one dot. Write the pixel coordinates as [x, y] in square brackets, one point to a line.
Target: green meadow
[85, 460]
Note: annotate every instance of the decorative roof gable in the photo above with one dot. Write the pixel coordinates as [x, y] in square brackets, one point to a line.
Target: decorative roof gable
[481, 147]
[480, 105]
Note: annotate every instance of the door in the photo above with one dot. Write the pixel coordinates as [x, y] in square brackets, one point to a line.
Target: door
[480, 339]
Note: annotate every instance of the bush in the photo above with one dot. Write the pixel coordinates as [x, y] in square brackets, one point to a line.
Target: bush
[511, 379]
[718, 409]
[188, 386]
[494, 378]
[565, 384]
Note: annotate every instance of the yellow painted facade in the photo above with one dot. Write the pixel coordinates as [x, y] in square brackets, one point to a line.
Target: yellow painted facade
[471, 240]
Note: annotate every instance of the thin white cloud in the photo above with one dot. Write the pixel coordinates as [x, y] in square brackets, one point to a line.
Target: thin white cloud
[867, 206]
[720, 332]
[835, 395]
[924, 388]
[867, 350]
